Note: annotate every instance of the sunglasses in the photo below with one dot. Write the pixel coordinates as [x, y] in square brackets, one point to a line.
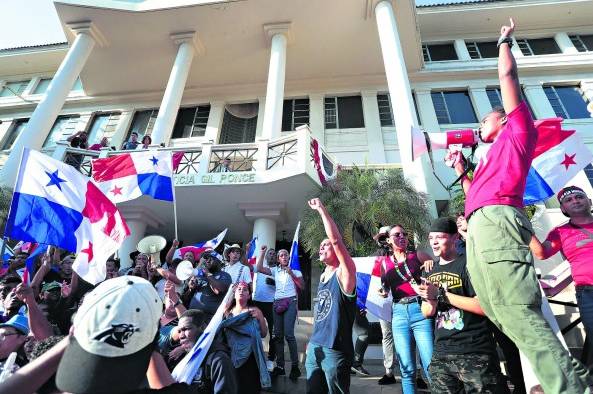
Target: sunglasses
[399, 235]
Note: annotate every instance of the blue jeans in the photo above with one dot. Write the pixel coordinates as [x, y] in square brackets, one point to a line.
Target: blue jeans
[284, 328]
[410, 330]
[585, 303]
[328, 370]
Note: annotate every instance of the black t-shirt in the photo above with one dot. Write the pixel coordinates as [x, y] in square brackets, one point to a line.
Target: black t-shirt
[457, 331]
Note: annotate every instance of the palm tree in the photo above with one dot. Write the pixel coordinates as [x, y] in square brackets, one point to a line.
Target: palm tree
[360, 201]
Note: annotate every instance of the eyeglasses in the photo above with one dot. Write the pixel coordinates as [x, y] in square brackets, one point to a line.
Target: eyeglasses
[3, 335]
[399, 235]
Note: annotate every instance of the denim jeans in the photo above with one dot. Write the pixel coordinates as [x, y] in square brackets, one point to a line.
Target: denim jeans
[284, 328]
[409, 326]
[585, 303]
[328, 370]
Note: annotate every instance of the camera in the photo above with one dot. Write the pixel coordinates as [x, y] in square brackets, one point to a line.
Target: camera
[270, 281]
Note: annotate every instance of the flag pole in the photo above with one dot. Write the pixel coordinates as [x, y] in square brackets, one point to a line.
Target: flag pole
[16, 181]
[174, 200]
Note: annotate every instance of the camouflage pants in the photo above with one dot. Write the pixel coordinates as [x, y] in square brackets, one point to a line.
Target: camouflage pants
[466, 373]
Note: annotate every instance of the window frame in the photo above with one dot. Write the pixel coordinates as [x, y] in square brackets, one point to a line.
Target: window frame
[578, 41]
[389, 109]
[563, 106]
[24, 83]
[524, 43]
[293, 111]
[92, 121]
[442, 94]
[336, 105]
[473, 46]
[15, 123]
[196, 109]
[428, 57]
[68, 116]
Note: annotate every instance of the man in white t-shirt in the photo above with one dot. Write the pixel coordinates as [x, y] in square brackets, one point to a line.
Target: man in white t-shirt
[263, 298]
[234, 267]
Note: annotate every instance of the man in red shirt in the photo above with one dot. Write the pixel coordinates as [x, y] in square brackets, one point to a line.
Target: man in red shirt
[574, 239]
[499, 261]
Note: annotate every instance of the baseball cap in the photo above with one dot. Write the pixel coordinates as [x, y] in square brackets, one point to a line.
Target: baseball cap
[114, 335]
[383, 231]
[568, 190]
[18, 322]
[51, 286]
[444, 225]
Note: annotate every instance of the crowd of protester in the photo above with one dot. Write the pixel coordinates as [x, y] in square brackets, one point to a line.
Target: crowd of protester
[453, 308]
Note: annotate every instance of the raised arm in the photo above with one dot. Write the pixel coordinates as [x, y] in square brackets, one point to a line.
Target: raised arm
[260, 262]
[510, 89]
[546, 249]
[171, 252]
[347, 272]
[40, 327]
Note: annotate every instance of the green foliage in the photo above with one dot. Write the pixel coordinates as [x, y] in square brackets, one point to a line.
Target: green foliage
[360, 201]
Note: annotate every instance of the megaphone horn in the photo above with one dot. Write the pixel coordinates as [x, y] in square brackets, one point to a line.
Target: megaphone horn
[152, 245]
[423, 142]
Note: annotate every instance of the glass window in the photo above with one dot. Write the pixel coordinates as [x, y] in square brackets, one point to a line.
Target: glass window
[439, 52]
[42, 86]
[495, 98]
[583, 43]
[482, 50]
[568, 101]
[385, 115]
[13, 88]
[191, 122]
[295, 113]
[343, 112]
[538, 46]
[143, 123]
[453, 107]
[64, 125]
[239, 123]
[102, 124]
[77, 85]
[15, 129]
[589, 172]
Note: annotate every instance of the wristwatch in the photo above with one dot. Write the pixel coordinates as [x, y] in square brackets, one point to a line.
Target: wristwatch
[508, 40]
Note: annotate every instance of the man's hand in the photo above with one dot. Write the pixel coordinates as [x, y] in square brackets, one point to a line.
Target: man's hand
[175, 243]
[428, 291]
[263, 250]
[25, 293]
[507, 31]
[65, 290]
[427, 266]
[177, 353]
[171, 292]
[383, 293]
[454, 159]
[256, 313]
[316, 204]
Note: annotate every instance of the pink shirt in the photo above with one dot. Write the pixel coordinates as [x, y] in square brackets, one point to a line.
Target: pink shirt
[577, 247]
[500, 177]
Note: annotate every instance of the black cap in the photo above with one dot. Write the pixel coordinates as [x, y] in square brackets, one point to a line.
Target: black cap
[444, 225]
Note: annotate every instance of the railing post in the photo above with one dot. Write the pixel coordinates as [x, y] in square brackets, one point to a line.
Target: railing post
[60, 151]
[205, 157]
[104, 152]
[303, 146]
[261, 163]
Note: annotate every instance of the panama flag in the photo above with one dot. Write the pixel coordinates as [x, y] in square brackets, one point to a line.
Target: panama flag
[368, 283]
[294, 263]
[200, 247]
[128, 176]
[54, 204]
[252, 252]
[559, 156]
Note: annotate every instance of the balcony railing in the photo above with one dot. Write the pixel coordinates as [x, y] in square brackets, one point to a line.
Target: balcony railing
[205, 163]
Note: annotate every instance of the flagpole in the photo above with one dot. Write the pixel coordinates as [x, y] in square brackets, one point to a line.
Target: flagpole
[174, 200]
[18, 174]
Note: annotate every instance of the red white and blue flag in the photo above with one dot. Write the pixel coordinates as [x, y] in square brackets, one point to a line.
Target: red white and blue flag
[368, 283]
[201, 247]
[54, 204]
[252, 252]
[128, 176]
[294, 262]
[559, 156]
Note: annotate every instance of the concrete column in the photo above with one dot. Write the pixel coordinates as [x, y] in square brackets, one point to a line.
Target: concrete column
[480, 100]
[426, 111]
[163, 126]
[261, 107]
[316, 117]
[138, 219]
[401, 96]
[563, 41]
[461, 49]
[272, 122]
[265, 231]
[372, 124]
[214, 121]
[205, 157]
[539, 101]
[49, 107]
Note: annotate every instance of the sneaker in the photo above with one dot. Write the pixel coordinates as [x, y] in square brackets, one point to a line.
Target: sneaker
[295, 372]
[359, 369]
[421, 384]
[278, 371]
[270, 365]
[387, 379]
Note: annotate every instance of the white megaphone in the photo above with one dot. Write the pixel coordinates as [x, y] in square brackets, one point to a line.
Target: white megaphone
[184, 270]
[423, 142]
[590, 108]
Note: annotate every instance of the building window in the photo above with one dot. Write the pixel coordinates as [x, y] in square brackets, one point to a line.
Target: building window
[103, 125]
[15, 129]
[538, 46]
[343, 112]
[239, 123]
[495, 98]
[568, 101]
[453, 107]
[482, 50]
[191, 122]
[295, 113]
[385, 115]
[438, 52]
[77, 85]
[42, 86]
[64, 125]
[589, 172]
[14, 88]
[143, 123]
[583, 43]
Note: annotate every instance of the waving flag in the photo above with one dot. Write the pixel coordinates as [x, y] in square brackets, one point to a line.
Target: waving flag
[189, 365]
[294, 251]
[368, 283]
[559, 156]
[200, 247]
[252, 252]
[128, 176]
[54, 204]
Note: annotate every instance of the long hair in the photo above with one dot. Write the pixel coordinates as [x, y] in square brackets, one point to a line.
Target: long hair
[233, 302]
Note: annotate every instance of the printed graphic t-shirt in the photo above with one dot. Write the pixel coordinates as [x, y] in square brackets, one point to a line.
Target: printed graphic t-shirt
[457, 331]
[577, 246]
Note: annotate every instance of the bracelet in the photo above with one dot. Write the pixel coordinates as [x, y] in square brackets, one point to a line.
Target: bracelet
[503, 39]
